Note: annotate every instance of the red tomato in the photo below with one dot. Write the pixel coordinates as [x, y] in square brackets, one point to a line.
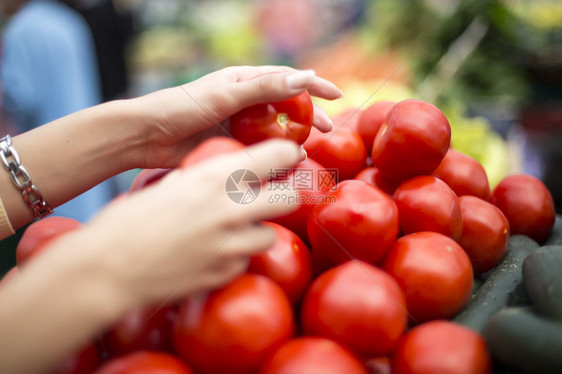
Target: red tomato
[441, 347]
[357, 305]
[142, 329]
[289, 119]
[373, 176]
[426, 203]
[313, 183]
[347, 119]
[287, 262]
[146, 177]
[40, 233]
[85, 361]
[233, 329]
[340, 149]
[361, 223]
[413, 140]
[527, 204]
[378, 365]
[145, 362]
[464, 175]
[434, 272]
[12, 273]
[312, 355]
[209, 148]
[485, 233]
[371, 120]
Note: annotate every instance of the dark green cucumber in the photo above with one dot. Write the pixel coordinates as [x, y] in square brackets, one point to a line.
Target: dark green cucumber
[504, 285]
[523, 340]
[542, 273]
[555, 237]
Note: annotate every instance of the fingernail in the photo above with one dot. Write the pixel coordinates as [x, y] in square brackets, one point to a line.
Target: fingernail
[331, 124]
[300, 79]
[303, 153]
[341, 94]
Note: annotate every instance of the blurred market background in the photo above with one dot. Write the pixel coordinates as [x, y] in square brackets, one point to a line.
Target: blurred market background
[493, 66]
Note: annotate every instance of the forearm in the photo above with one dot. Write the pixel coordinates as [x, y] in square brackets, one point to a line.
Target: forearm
[72, 154]
[57, 303]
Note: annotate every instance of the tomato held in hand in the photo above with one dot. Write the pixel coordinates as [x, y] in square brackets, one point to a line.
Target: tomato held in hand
[361, 223]
[426, 203]
[233, 329]
[370, 121]
[340, 149]
[148, 328]
[359, 306]
[413, 140]
[145, 362]
[434, 272]
[527, 204]
[209, 148]
[287, 262]
[464, 175]
[313, 183]
[289, 119]
[312, 355]
[39, 233]
[485, 233]
[441, 347]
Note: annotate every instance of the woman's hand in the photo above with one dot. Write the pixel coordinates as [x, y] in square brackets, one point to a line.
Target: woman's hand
[183, 116]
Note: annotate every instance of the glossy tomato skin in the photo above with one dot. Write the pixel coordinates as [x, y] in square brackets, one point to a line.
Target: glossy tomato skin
[85, 361]
[233, 329]
[39, 233]
[413, 140]
[315, 183]
[342, 150]
[464, 174]
[426, 203]
[359, 306]
[148, 328]
[288, 262]
[434, 272]
[312, 355]
[485, 233]
[441, 347]
[527, 204]
[146, 177]
[289, 119]
[361, 223]
[373, 176]
[212, 147]
[370, 121]
[347, 119]
[145, 362]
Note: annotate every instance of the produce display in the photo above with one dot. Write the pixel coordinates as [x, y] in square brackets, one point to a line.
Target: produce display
[402, 258]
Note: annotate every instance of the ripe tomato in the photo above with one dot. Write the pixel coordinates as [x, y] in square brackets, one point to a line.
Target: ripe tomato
[373, 176]
[441, 347]
[84, 361]
[340, 149]
[287, 262]
[39, 233]
[145, 362]
[289, 119]
[312, 355]
[434, 272]
[370, 121]
[211, 147]
[357, 305]
[361, 223]
[485, 233]
[413, 140]
[233, 329]
[146, 177]
[527, 204]
[146, 328]
[347, 119]
[426, 203]
[464, 175]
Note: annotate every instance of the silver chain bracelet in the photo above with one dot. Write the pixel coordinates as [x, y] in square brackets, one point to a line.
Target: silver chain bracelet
[22, 180]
